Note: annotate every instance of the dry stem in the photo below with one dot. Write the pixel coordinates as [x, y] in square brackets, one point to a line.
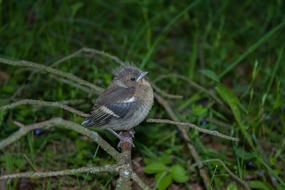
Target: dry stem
[192, 84]
[51, 70]
[64, 124]
[43, 103]
[124, 181]
[165, 94]
[93, 170]
[190, 125]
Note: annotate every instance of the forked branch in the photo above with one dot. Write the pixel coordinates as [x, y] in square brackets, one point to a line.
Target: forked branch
[59, 122]
[53, 71]
[92, 170]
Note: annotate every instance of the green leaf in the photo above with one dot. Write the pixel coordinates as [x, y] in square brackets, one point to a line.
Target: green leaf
[210, 74]
[156, 167]
[259, 185]
[179, 174]
[231, 99]
[199, 110]
[165, 159]
[232, 186]
[163, 180]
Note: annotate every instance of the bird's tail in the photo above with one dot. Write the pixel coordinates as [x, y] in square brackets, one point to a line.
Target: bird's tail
[88, 122]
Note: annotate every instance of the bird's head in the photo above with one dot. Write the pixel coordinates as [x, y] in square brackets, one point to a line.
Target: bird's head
[129, 76]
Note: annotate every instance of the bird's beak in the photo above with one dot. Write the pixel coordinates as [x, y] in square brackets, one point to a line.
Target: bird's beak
[142, 75]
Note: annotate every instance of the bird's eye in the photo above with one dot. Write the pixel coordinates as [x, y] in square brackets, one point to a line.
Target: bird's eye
[133, 79]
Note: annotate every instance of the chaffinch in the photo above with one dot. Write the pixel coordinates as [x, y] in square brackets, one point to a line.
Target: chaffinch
[125, 103]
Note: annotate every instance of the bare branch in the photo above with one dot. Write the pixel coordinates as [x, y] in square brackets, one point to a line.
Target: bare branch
[71, 101]
[138, 180]
[88, 52]
[192, 149]
[104, 54]
[126, 143]
[73, 84]
[190, 125]
[193, 84]
[92, 170]
[165, 94]
[43, 103]
[124, 180]
[219, 123]
[64, 124]
[68, 57]
[52, 71]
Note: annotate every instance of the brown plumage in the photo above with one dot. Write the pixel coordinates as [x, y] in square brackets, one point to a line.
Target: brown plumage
[125, 103]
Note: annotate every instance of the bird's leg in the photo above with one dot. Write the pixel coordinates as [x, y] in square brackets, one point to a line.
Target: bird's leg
[115, 134]
[126, 138]
[132, 133]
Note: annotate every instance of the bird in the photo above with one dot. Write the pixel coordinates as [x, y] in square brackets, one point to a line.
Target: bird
[125, 103]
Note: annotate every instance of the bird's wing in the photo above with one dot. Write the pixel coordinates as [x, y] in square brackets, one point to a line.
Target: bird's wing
[113, 103]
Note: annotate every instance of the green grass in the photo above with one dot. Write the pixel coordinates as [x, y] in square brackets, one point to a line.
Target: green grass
[234, 49]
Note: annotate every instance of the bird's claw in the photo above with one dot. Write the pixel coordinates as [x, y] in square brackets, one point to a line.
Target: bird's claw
[126, 139]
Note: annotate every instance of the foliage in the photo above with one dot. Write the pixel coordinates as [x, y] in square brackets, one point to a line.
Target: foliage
[233, 49]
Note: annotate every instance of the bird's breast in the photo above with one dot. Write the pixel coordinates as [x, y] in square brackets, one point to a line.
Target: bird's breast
[146, 102]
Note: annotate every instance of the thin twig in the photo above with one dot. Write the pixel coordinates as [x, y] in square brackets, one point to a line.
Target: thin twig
[68, 57]
[77, 82]
[137, 179]
[192, 149]
[63, 59]
[165, 94]
[104, 54]
[90, 52]
[219, 123]
[43, 103]
[190, 125]
[240, 181]
[52, 71]
[73, 84]
[191, 83]
[64, 124]
[71, 101]
[92, 170]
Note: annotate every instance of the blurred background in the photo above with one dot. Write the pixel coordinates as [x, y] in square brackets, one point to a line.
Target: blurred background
[232, 49]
